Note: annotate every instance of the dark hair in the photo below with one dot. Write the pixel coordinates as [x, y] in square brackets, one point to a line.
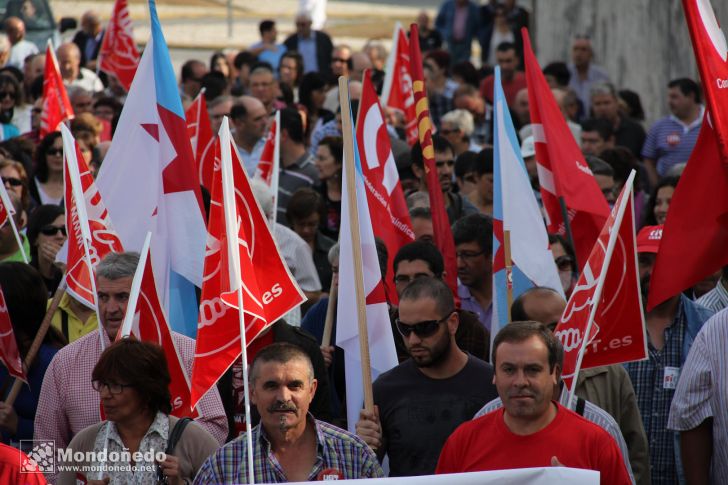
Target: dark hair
[622, 161]
[598, 166]
[282, 353]
[304, 202]
[214, 83]
[238, 111]
[299, 64]
[26, 297]
[568, 248]
[382, 255]
[505, 47]
[266, 26]
[465, 163]
[649, 215]
[477, 228]
[7, 79]
[559, 71]
[188, 69]
[442, 59]
[336, 147]
[310, 82]
[600, 125]
[293, 124]
[213, 61]
[41, 162]
[41, 216]
[421, 251]
[433, 288]
[522, 331]
[634, 104]
[262, 66]
[141, 365]
[244, 58]
[439, 143]
[467, 72]
[484, 163]
[687, 86]
[518, 312]
[109, 101]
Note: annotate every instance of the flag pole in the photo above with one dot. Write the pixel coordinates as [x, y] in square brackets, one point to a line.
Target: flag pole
[231, 229]
[275, 175]
[347, 130]
[509, 272]
[330, 310]
[5, 198]
[389, 67]
[136, 286]
[567, 227]
[600, 283]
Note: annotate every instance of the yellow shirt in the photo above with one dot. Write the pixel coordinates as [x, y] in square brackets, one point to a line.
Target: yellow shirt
[76, 328]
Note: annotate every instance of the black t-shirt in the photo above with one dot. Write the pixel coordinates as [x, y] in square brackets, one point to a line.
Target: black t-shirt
[418, 413]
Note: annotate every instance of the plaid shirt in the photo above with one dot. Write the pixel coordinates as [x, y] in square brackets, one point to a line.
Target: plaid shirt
[68, 403]
[337, 449]
[654, 399]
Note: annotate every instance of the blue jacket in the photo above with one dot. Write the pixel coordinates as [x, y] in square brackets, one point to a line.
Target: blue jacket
[446, 17]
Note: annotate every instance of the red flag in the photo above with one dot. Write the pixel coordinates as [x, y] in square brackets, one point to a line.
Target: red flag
[90, 213]
[440, 223]
[695, 236]
[562, 170]
[398, 93]
[385, 197]
[203, 140]
[711, 53]
[118, 54]
[56, 106]
[6, 206]
[269, 290]
[9, 355]
[267, 164]
[608, 289]
[150, 325]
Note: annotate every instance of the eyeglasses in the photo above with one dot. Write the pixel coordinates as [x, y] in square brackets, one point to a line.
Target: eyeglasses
[564, 263]
[468, 254]
[51, 230]
[113, 387]
[421, 329]
[55, 152]
[7, 94]
[12, 181]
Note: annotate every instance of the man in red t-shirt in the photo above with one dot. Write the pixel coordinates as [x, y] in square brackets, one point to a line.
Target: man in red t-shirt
[530, 430]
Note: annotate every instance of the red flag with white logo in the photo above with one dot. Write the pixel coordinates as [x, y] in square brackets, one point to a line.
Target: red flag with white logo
[385, 197]
[268, 169]
[88, 222]
[9, 355]
[203, 139]
[56, 105]
[562, 171]
[148, 323]
[118, 54]
[269, 290]
[606, 303]
[397, 91]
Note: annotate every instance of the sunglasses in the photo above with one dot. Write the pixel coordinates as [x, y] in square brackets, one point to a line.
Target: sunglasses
[55, 151]
[7, 94]
[12, 181]
[51, 230]
[421, 329]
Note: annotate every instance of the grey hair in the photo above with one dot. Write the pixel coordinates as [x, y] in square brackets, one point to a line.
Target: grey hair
[333, 255]
[418, 199]
[603, 89]
[262, 195]
[118, 265]
[462, 120]
[282, 353]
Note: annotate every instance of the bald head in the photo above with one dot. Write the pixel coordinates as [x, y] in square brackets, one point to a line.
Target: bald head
[359, 62]
[69, 60]
[15, 29]
[539, 304]
[91, 23]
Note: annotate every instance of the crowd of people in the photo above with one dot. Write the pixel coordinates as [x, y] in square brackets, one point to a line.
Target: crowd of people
[453, 404]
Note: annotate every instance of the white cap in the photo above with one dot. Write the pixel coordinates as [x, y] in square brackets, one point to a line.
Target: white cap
[528, 149]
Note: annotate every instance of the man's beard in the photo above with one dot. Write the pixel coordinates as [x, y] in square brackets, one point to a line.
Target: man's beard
[438, 353]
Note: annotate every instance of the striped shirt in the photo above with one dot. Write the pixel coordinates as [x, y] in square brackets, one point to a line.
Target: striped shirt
[717, 298]
[670, 141]
[302, 173]
[337, 450]
[702, 390]
[592, 412]
[654, 398]
[298, 257]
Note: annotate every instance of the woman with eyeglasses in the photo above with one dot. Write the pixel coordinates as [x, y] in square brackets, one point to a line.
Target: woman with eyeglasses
[46, 234]
[48, 181]
[14, 113]
[15, 179]
[132, 379]
[25, 298]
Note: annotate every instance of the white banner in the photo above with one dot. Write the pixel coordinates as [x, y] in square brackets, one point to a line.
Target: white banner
[522, 476]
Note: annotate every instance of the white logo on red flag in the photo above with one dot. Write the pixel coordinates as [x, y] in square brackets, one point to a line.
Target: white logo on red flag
[204, 141]
[56, 106]
[9, 354]
[264, 170]
[118, 54]
[401, 96]
[618, 332]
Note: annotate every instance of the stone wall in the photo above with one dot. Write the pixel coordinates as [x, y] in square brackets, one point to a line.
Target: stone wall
[642, 43]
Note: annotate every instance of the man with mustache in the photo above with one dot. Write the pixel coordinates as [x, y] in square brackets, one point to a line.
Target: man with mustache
[289, 444]
[531, 430]
[672, 327]
[422, 400]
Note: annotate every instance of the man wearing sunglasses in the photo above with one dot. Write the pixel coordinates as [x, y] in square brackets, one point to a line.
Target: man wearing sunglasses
[419, 403]
[9, 249]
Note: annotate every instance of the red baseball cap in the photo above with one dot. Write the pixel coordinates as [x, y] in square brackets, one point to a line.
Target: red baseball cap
[648, 239]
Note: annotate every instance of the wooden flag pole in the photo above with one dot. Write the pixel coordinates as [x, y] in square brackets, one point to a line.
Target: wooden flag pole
[330, 311]
[37, 341]
[509, 272]
[347, 130]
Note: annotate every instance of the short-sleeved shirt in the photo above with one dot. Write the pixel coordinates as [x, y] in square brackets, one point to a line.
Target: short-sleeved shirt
[670, 141]
[468, 302]
[418, 413]
[486, 443]
[702, 390]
